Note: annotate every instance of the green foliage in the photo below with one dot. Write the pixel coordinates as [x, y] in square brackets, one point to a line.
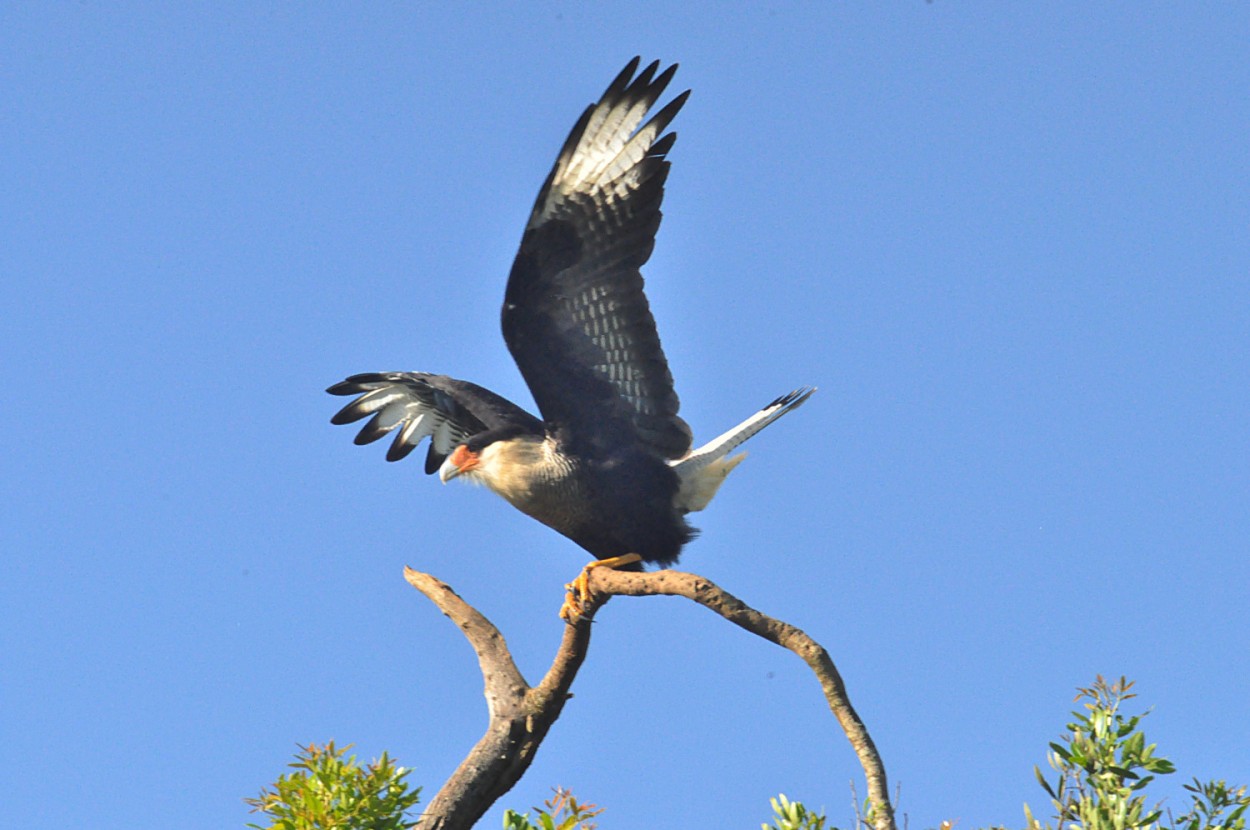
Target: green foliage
[1104, 765]
[1215, 806]
[331, 792]
[792, 815]
[563, 812]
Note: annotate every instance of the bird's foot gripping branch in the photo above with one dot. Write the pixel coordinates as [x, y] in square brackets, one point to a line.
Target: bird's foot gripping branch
[577, 592]
[520, 714]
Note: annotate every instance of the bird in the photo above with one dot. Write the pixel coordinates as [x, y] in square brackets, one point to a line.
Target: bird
[610, 463]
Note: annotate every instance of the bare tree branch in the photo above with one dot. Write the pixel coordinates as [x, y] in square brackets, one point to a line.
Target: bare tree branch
[520, 715]
[692, 586]
[503, 678]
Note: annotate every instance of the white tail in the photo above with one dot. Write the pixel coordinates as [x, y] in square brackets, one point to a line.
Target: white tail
[703, 471]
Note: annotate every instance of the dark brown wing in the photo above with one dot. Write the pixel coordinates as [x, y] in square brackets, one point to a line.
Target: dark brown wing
[418, 405]
[575, 317]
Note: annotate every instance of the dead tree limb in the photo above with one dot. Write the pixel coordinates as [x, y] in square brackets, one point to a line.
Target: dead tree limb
[712, 597]
[520, 714]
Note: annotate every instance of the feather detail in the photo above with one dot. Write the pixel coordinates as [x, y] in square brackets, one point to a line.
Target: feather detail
[704, 470]
[575, 316]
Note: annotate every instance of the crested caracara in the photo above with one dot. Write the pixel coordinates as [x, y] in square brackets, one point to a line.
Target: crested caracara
[610, 464]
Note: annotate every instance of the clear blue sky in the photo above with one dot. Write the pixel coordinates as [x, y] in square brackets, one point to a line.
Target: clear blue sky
[1010, 243]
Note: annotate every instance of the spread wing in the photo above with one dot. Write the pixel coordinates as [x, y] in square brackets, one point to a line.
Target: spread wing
[418, 405]
[575, 317]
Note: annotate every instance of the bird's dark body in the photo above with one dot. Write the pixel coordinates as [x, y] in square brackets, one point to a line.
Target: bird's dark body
[611, 500]
[622, 503]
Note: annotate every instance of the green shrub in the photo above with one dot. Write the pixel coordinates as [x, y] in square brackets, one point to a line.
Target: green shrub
[331, 792]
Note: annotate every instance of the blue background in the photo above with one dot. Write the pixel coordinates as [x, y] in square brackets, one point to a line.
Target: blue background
[1008, 241]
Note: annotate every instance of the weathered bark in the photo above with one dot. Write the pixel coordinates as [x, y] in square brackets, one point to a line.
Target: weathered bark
[520, 715]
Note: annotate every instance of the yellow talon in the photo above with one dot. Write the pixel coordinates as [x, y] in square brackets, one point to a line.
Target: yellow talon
[577, 592]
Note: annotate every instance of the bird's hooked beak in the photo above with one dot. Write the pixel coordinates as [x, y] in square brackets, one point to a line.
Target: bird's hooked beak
[462, 460]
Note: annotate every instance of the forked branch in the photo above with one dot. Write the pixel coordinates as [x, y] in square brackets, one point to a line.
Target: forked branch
[520, 715]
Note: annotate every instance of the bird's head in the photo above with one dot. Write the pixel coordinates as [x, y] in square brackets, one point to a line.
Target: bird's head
[463, 460]
[497, 458]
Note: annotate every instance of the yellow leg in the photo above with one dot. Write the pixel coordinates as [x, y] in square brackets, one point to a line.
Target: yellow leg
[577, 592]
